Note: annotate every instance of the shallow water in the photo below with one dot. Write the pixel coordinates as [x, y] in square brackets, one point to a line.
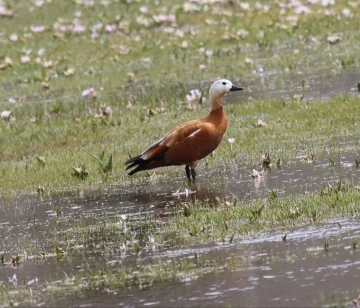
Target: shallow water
[295, 273]
[35, 213]
[275, 273]
[318, 85]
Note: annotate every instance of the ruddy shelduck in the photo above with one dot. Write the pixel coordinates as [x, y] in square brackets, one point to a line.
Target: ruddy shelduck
[191, 141]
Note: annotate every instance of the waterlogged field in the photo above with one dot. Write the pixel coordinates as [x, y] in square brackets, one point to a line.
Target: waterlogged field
[86, 83]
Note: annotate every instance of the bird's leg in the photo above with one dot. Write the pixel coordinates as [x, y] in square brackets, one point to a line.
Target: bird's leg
[187, 170]
[193, 173]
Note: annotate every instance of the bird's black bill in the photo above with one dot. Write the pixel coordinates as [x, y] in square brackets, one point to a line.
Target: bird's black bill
[235, 88]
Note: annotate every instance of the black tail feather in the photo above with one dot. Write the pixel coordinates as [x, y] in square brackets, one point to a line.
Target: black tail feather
[137, 162]
[131, 166]
[141, 164]
[132, 159]
[137, 169]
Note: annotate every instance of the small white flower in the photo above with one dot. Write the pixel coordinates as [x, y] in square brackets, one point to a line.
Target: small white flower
[37, 29]
[110, 28]
[194, 96]
[141, 20]
[164, 18]
[144, 10]
[242, 33]
[25, 59]
[69, 72]
[231, 140]
[47, 64]
[184, 45]
[105, 2]
[146, 61]
[89, 93]
[249, 61]
[88, 3]
[31, 282]
[5, 115]
[245, 6]
[8, 61]
[14, 37]
[39, 3]
[41, 52]
[13, 280]
[302, 9]
[106, 111]
[209, 53]
[346, 12]
[78, 27]
[260, 123]
[327, 2]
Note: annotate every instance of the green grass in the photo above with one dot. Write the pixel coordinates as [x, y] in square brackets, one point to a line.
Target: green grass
[228, 221]
[63, 128]
[65, 143]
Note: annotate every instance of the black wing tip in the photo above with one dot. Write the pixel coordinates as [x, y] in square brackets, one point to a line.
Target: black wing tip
[133, 171]
[132, 160]
[132, 165]
[139, 167]
[136, 162]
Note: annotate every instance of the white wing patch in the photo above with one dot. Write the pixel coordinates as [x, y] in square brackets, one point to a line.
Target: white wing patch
[194, 133]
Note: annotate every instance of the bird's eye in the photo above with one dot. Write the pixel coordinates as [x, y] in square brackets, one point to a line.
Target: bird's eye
[224, 83]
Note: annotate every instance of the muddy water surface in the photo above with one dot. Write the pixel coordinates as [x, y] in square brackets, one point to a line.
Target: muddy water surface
[297, 272]
[321, 84]
[274, 272]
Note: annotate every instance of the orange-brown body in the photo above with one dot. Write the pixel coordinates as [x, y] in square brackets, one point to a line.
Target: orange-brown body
[187, 143]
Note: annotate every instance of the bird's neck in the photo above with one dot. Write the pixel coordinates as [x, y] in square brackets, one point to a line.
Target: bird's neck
[217, 116]
[216, 102]
[219, 120]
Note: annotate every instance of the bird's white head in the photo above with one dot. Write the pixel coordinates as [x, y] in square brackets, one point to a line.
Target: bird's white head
[218, 89]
